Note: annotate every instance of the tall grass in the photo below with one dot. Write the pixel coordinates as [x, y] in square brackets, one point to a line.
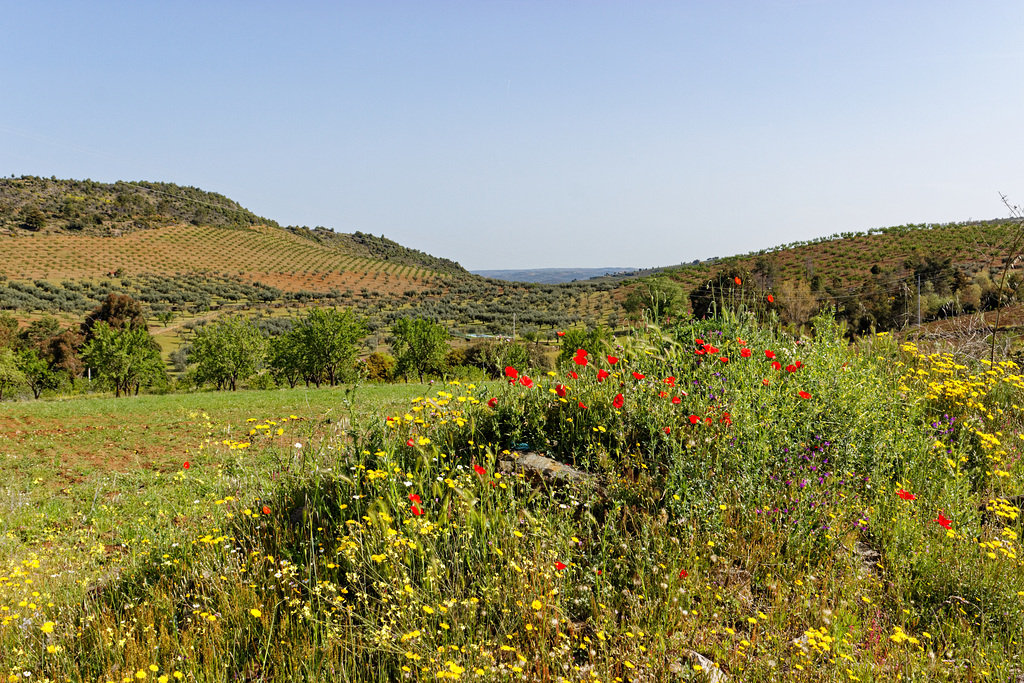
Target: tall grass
[844, 515]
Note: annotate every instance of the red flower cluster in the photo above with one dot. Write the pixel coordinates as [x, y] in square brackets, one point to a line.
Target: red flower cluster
[804, 395]
[580, 358]
[479, 470]
[602, 375]
[770, 355]
[943, 522]
[619, 401]
[526, 382]
[511, 373]
[671, 381]
[637, 376]
[612, 360]
[560, 390]
[906, 495]
[745, 352]
[415, 499]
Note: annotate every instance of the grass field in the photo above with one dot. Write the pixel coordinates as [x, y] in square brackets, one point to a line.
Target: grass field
[758, 506]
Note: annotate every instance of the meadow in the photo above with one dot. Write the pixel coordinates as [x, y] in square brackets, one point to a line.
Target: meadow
[746, 504]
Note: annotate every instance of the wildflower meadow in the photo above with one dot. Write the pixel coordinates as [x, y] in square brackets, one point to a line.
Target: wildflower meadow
[730, 502]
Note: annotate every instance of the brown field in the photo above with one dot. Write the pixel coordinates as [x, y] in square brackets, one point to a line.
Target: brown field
[268, 255]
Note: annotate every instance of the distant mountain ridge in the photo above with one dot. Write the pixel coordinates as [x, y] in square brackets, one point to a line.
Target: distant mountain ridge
[549, 276]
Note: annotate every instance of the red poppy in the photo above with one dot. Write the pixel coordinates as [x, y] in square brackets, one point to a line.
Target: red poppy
[493, 402]
[906, 495]
[668, 430]
[771, 299]
[765, 381]
[583, 405]
[581, 352]
[601, 375]
[560, 334]
[560, 390]
[637, 375]
[415, 498]
[737, 280]
[186, 464]
[579, 360]
[683, 573]
[804, 395]
[708, 421]
[662, 394]
[790, 368]
[694, 419]
[726, 419]
[410, 443]
[572, 374]
[769, 354]
[740, 341]
[676, 400]
[613, 360]
[559, 566]
[776, 365]
[266, 510]
[416, 511]
[479, 470]
[943, 522]
[671, 381]
[526, 382]
[700, 352]
[746, 353]
[698, 341]
[724, 359]
[618, 401]
[511, 372]
[710, 349]
[799, 365]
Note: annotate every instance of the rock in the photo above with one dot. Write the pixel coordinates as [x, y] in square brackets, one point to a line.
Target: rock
[541, 468]
[710, 669]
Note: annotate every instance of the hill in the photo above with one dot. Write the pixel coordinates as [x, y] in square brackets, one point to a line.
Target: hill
[33, 206]
[874, 279]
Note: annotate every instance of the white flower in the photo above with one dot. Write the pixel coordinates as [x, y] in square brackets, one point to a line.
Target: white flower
[298, 445]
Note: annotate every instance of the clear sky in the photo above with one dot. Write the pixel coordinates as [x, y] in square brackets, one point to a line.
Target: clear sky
[524, 133]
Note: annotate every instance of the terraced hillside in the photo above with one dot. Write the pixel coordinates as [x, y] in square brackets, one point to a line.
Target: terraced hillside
[266, 254]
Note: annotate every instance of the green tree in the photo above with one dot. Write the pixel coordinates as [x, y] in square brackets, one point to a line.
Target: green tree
[329, 339]
[38, 374]
[420, 346]
[226, 351]
[11, 376]
[125, 359]
[8, 330]
[659, 298]
[285, 359]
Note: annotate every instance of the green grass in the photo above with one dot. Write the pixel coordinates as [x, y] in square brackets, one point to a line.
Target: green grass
[732, 517]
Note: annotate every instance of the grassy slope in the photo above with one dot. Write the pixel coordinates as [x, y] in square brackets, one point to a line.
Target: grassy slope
[720, 538]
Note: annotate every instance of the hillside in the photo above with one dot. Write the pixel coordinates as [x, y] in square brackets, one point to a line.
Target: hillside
[32, 206]
[875, 280]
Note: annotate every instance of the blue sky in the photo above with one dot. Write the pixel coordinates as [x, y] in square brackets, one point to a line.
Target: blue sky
[534, 134]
